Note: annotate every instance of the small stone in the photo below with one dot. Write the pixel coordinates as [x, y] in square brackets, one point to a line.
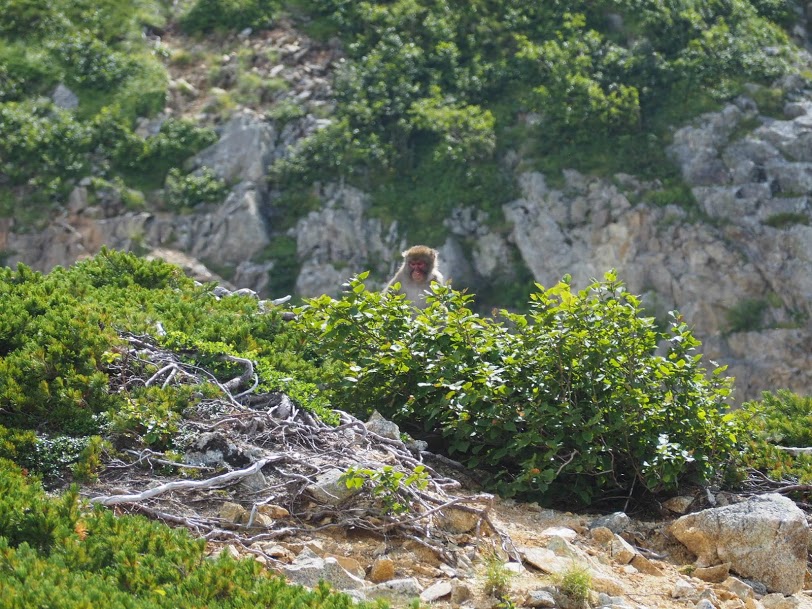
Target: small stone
[456, 521]
[679, 505]
[460, 592]
[752, 603]
[617, 522]
[777, 600]
[447, 570]
[64, 97]
[607, 584]
[704, 604]
[436, 592]
[715, 574]
[233, 512]
[396, 587]
[539, 598]
[383, 569]
[622, 551]
[278, 552]
[602, 535]
[644, 565]
[261, 521]
[377, 424]
[563, 532]
[738, 587]
[330, 488]
[349, 564]
[273, 511]
[684, 589]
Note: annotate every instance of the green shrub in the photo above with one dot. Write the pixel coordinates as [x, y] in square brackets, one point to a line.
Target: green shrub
[746, 315]
[59, 343]
[56, 554]
[188, 191]
[208, 15]
[787, 219]
[41, 145]
[778, 419]
[575, 584]
[782, 418]
[93, 62]
[156, 155]
[569, 401]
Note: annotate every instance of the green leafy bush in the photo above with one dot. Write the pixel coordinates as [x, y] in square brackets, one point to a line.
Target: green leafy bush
[208, 15]
[388, 485]
[41, 146]
[461, 83]
[188, 191]
[154, 156]
[782, 418]
[570, 401]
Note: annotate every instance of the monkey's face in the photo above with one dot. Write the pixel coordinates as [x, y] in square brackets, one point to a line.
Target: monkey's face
[418, 270]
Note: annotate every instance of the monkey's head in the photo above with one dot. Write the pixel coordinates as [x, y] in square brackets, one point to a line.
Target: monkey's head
[419, 260]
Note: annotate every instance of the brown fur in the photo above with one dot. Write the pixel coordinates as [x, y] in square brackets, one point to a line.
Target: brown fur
[415, 290]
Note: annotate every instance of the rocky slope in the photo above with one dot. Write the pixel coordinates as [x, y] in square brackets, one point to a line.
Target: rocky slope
[738, 266]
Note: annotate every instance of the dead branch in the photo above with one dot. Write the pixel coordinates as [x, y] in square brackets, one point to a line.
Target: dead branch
[179, 485]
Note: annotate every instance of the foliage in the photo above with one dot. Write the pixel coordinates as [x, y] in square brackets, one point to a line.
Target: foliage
[746, 315]
[778, 419]
[787, 220]
[286, 265]
[57, 552]
[41, 146]
[155, 155]
[387, 484]
[188, 191]
[98, 51]
[207, 15]
[575, 584]
[568, 402]
[782, 418]
[59, 342]
[497, 576]
[454, 82]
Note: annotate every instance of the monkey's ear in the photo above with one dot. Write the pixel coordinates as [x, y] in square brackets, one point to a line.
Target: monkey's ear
[404, 253]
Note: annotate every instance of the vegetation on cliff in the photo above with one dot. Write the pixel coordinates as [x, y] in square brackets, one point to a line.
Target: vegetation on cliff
[431, 97]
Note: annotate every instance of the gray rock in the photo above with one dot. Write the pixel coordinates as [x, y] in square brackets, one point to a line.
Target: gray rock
[245, 150]
[383, 427]
[443, 588]
[408, 587]
[616, 522]
[330, 489]
[540, 598]
[65, 98]
[765, 537]
[308, 569]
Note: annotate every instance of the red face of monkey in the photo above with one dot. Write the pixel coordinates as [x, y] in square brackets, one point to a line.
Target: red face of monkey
[418, 269]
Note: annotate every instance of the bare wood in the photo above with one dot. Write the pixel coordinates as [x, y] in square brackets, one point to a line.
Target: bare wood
[184, 485]
[795, 451]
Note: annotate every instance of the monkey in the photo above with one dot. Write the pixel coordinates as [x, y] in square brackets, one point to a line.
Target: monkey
[415, 275]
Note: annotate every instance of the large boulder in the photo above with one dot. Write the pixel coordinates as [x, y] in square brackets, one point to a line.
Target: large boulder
[764, 538]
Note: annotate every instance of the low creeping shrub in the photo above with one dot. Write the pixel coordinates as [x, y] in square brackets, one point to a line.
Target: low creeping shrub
[57, 553]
